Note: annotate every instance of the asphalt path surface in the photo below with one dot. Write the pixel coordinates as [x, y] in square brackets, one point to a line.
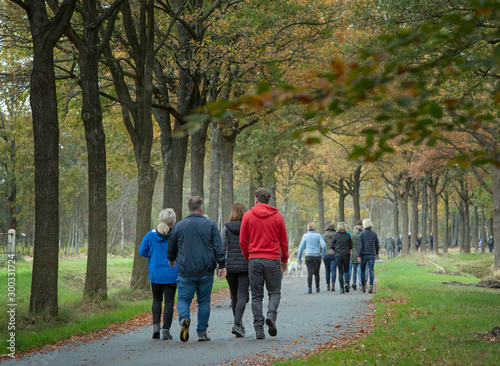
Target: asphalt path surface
[305, 322]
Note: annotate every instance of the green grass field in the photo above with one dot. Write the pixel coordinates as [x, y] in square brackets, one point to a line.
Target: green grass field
[421, 321]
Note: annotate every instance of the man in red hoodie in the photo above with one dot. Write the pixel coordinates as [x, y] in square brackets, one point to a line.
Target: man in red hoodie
[264, 243]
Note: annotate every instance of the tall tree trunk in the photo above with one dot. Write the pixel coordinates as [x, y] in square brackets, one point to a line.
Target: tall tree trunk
[251, 190]
[483, 230]
[321, 205]
[356, 192]
[227, 191]
[43, 100]
[423, 244]
[342, 202]
[446, 223]
[215, 171]
[96, 275]
[198, 151]
[475, 230]
[495, 181]
[414, 217]
[395, 217]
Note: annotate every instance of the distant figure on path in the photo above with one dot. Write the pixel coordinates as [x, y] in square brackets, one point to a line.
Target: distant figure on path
[354, 256]
[342, 245]
[236, 266]
[329, 258]
[389, 246]
[315, 248]
[162, 276]
[264, 243]
[196, 245]
[400, 243]
[368, 248]
[491, 243]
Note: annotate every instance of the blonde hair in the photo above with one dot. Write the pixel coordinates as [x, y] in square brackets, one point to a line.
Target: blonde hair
[341, 227]
[367, 224]
[311, 226]
[167, 218]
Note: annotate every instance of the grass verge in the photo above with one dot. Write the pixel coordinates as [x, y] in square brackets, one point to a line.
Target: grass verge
[421, 321]
[76, 316]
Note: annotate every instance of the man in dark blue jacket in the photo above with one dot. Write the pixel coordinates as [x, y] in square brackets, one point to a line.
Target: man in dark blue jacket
[196, 245]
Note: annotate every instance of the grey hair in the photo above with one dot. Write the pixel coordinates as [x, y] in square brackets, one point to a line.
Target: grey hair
[167, 218]
[341, 227]
[358, 228]
[367, 224]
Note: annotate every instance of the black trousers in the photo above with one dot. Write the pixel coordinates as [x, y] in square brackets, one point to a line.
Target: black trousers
[238, 288]
[161, 291]
[313, 265]
[343, 262]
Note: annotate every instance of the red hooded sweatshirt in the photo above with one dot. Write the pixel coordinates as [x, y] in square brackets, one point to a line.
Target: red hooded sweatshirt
[263, 234]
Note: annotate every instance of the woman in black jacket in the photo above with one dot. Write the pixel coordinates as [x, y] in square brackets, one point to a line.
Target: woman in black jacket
[342, 245]
[237, 267]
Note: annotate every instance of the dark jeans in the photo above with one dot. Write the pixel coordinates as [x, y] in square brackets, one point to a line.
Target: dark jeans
[330, 268]
[238, 288]
[188, 286]
[266, 271]
[370, 261]
[161, 291]
[313, 265]
[343, 262]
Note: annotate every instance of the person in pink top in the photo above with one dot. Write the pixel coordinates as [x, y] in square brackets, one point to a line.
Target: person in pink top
[264, 242]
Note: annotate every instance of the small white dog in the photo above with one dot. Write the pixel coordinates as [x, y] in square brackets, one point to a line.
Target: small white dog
[295, 268]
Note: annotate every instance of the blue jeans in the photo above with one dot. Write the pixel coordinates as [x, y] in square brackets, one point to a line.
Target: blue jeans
[354, 272]
[390, 254]
[330, 268]
[370, 261]
[186, 288]
[264, 271]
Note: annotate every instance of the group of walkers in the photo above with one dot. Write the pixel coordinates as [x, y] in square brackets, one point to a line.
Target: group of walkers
[250, 252]
[342, 251]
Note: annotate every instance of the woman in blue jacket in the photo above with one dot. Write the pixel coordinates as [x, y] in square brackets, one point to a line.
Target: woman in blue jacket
[315, 248]
[162, 277]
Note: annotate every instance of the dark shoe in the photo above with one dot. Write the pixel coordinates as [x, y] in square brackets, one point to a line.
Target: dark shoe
[333, 287]
[165, 334]
[271, 323]
[342, 291]
[310, 291]
[347, 289]
[363, 288]
[259, 333]
[327, 287]
[317, 289]
[238, 331]
[370, 289]
[185, 330]
[354, 287]
[202, 337]
[156, 331]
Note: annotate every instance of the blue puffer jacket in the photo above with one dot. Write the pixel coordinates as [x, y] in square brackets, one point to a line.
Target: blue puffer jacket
[368, 243]
[196, 245]
[154, 247]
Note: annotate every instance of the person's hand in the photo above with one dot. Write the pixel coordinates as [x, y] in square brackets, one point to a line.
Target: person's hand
[359, 259]
[221, 273]
[283, 267]
[171, 263]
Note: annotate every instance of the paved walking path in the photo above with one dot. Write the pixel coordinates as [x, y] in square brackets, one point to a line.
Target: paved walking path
[304, 323]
